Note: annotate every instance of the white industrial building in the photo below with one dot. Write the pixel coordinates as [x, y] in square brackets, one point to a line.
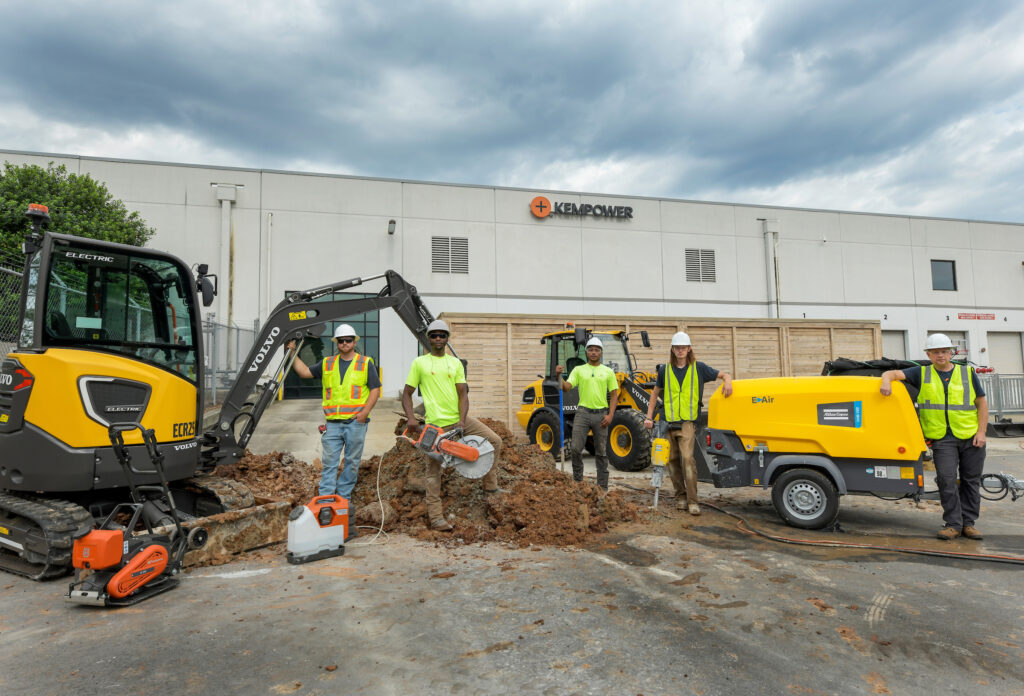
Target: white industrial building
[484, 249]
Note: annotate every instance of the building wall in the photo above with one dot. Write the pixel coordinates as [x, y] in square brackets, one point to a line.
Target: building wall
[286, 230]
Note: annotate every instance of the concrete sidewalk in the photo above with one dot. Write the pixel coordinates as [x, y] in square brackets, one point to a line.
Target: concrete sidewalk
[291, 426]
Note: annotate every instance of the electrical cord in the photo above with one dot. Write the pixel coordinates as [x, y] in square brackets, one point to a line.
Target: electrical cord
[380, 501]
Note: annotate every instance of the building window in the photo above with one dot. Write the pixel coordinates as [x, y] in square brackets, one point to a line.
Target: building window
[943, 275]
[700, 265]
[449, 254]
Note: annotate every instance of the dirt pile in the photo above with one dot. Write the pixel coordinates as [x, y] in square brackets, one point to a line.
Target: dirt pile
[275, 475]
[542, 505]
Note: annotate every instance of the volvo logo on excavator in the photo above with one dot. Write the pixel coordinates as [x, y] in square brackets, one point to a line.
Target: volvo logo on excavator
[267, 345]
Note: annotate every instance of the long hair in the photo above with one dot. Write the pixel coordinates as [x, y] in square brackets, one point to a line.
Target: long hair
[690, 357]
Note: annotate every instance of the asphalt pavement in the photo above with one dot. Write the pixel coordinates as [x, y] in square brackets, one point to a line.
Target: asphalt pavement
[674, 605]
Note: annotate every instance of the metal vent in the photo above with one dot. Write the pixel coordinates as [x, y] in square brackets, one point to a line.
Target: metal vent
[109, 400]
[700, 265]
[449, 254]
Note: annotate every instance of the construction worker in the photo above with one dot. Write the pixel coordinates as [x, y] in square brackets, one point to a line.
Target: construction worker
[441, 379]
[351, 387]
[599, 395]
[683, 386]
[954, 414]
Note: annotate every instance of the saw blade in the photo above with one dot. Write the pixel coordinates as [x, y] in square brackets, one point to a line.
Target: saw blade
[479, 468]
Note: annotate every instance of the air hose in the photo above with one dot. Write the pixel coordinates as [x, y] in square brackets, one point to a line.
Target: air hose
[748, 528]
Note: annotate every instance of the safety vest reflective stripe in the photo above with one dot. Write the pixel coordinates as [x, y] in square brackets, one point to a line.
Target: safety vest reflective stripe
[676, 408]
[342, 410]
[954, 404]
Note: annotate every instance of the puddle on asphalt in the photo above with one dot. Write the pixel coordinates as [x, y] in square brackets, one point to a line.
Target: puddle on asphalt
[619, 549]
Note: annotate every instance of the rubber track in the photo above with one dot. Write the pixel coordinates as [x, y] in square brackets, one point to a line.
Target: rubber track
[53, 525]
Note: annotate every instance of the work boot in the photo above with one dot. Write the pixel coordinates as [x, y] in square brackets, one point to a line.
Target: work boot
[681, 504]
[948, 533]
[694, 509]
[972, 533]
[440, 525]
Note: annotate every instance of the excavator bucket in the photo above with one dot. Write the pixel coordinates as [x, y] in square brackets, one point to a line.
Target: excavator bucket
[235, 531]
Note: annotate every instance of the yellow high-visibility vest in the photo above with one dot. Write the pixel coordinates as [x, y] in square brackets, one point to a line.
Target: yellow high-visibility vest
[934, 407]
[343, 399]
[682, 400]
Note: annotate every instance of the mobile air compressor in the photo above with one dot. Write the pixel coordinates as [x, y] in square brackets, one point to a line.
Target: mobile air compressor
[813, 439]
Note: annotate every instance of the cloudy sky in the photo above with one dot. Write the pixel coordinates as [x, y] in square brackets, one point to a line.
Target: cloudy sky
[913, 107]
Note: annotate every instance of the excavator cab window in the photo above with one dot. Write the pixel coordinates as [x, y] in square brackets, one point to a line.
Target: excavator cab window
[132, 305]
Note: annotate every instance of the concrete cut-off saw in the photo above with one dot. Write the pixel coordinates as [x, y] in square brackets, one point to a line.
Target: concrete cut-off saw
[470, 455]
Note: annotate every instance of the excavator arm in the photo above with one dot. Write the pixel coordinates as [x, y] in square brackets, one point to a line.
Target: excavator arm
[298, 317]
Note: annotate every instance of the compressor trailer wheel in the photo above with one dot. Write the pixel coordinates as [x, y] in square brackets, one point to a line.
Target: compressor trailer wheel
[805, 498]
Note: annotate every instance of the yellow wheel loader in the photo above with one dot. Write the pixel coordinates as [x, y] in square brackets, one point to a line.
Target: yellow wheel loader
[110, 340]
[629, 444]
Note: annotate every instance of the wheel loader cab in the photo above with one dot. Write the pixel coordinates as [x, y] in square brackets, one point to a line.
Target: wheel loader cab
[108, 333]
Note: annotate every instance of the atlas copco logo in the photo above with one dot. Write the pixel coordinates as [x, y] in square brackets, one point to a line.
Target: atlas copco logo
[267, 345]
[541, 207]
[762, 399]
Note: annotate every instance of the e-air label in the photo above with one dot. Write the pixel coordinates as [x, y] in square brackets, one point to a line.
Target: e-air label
[4, 417]
[295, 316]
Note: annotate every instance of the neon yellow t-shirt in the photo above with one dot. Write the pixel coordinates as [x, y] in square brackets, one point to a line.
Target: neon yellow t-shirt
[436, 379]
[594, 384]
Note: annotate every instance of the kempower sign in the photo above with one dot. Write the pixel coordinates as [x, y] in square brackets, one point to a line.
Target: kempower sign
[541, 207]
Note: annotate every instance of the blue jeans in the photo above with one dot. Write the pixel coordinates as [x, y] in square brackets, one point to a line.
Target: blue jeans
[348, 435]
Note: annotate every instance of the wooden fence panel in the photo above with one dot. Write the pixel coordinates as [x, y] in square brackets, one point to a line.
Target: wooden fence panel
[807, 350]
[758, 353]
[857, 344]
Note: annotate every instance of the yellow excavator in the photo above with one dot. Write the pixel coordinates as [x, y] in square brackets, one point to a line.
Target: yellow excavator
[110, 341]
[629, 444]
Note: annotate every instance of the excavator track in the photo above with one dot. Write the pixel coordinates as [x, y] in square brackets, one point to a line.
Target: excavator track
[37, 534]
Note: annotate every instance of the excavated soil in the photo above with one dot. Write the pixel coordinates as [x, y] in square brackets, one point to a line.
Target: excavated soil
[541, 505]
[275, 475]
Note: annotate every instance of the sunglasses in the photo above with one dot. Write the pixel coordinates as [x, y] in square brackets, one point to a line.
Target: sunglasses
[346, 339]
[437, 334]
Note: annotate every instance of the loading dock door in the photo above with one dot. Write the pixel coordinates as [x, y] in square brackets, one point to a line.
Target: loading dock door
[894, 345]
[1005, 353]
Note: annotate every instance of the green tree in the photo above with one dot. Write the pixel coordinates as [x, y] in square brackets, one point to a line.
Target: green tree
[78, 204]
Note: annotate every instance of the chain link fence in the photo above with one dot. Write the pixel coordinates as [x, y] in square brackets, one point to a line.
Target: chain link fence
[10, 293]
[225, 347]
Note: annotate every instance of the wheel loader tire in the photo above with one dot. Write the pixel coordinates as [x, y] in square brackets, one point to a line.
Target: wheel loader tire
[805, 498]
[629, 443]
[544, 432]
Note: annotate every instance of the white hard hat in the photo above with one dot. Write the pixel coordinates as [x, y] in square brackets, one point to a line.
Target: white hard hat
[345, 330]
[681, 339]
[438, 325]
[937, 341]
[595, 341]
